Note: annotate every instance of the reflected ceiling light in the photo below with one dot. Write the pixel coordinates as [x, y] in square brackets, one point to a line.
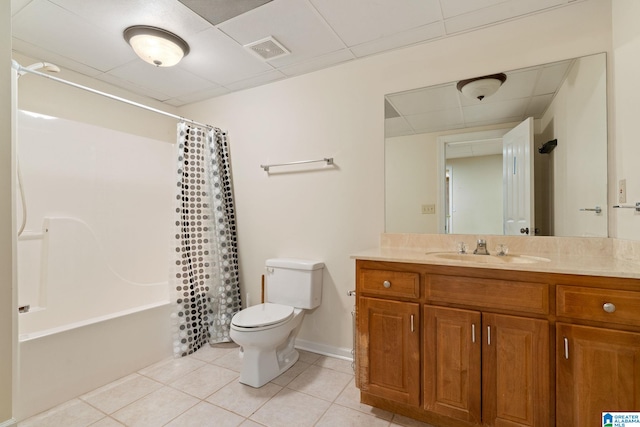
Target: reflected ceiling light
[156, 46]
[481, 87]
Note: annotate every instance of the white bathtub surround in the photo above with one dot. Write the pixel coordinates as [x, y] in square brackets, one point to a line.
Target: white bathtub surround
[204, 276]
[93, 261]
[64, 365]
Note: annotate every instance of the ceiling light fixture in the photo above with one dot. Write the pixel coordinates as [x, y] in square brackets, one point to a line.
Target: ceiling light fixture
[481, 87]
[156, 46]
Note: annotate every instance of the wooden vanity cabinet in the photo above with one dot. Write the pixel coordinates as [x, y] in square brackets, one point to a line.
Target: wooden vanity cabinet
[598, 362]
[463, 347]
[392, 369]
[453, 349]
[486, 368]
[598, 371]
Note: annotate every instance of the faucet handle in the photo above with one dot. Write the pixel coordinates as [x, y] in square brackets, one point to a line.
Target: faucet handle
[482, 242]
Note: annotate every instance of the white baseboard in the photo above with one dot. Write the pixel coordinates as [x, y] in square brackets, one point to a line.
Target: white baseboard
[325, 350]
[9, 423]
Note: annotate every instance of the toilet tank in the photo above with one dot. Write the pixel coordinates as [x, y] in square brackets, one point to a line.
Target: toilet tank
[294, 282]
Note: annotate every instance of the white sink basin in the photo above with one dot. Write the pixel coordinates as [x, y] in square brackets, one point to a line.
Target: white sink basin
[488, 259]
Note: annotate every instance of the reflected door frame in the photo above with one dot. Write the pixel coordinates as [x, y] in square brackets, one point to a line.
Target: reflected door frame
[442, 141]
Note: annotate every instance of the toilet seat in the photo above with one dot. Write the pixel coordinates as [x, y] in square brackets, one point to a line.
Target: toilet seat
[262, 316]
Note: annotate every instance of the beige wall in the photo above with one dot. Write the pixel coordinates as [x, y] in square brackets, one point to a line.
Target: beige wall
[624, 116]
[6, 232]
[411, 180]
[577, 118]
[477, 201]
[332, 213]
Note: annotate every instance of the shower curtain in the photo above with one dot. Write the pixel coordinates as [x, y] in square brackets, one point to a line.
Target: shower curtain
[204, 276]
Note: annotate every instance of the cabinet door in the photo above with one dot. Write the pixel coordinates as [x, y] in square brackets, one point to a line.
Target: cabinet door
[515, 371]
[389, 346]
[452, 347]
[598, 370]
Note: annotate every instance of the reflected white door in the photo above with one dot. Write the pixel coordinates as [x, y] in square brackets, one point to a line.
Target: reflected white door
[517, 155]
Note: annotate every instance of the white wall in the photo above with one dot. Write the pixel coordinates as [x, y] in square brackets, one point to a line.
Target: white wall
[7, 314]
[625, 115]
[332, 213]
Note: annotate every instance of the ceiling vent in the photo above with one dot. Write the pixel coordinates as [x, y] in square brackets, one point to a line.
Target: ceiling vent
[268, 48]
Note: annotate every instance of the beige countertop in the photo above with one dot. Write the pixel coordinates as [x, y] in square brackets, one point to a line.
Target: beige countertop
[590, 258]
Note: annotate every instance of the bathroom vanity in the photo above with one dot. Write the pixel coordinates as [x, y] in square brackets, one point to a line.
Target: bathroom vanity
[462, 342]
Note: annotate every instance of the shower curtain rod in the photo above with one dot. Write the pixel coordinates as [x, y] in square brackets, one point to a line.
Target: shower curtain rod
[20, 69]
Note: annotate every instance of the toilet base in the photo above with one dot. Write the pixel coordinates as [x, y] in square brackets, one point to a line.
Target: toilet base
[258, 368]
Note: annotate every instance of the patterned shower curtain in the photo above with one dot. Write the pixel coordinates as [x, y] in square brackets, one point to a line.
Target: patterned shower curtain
[204, 277]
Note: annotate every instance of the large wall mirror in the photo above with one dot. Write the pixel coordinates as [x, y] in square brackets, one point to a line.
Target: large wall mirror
[529, 159]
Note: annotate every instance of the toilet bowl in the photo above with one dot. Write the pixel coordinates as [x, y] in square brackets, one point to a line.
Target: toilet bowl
[266, 332]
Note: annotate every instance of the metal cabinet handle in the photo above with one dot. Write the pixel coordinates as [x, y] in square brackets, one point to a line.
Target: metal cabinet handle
[609, 307]
[488, 335]
[412, 323]
[473, 333]
[386, 284]
[566, 348]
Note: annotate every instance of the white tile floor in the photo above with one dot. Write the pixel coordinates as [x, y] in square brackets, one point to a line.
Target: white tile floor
[203, 390]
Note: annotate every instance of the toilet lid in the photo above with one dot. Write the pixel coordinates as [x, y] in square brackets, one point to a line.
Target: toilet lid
[262, 315]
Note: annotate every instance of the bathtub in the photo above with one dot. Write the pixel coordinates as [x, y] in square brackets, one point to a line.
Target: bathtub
[87, 325]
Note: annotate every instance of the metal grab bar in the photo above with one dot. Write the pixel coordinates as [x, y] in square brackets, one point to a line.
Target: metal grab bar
[597, 209]
[328, 160]
[636, 207]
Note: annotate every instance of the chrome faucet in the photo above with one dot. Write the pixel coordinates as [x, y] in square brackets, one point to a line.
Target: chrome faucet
[481, 249]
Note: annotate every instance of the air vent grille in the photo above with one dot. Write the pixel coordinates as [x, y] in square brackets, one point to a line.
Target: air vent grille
[268, 48]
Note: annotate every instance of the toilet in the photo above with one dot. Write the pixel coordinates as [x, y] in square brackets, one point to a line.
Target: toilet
[266, 332]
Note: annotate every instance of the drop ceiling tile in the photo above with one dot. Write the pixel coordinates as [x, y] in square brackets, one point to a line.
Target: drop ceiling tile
[425, 99]
[198, 96]
[293, 23]
[498, 110]
[496, 13]
[218, 11]
[116, 15]
[17, 5]
[133, 87]
[405, 38]
[218, 58]
[55, 29]
[361, 21]
[40, 54]
[172, 81]
[452, 8]
[268, 77]
[551, 77]
[318, 63]
[436, 120]
[497, 121]
[538, 105]
[397, 126]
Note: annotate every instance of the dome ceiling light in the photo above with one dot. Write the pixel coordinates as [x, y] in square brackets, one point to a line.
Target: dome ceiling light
[481, 87]
[156, 46]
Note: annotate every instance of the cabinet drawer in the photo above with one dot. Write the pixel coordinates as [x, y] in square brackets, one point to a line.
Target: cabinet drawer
[589, 303]
[527, 297]
[390, 283]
